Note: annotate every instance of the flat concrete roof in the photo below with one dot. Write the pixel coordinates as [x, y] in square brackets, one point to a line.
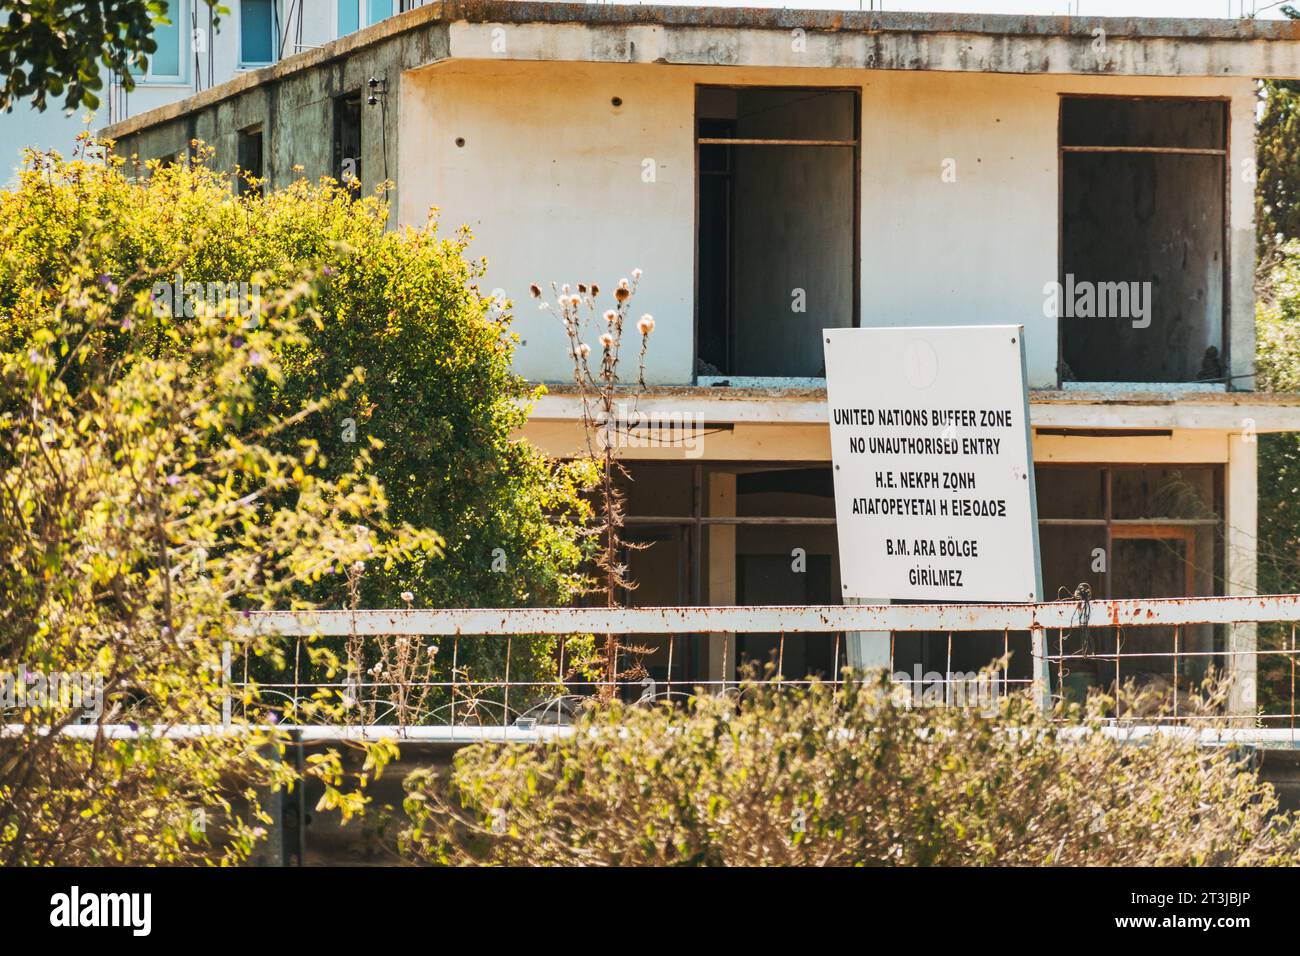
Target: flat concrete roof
[768, 18]
[725, 36]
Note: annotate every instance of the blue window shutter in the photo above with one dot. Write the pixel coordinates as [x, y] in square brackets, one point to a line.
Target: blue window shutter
[349, 16]
[256, 31]
[379, 9]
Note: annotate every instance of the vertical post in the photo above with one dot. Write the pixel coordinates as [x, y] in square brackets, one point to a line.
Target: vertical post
[868, 650]
[1042, 674]
[505, 706]
[1241, 529]
[225, 684]
[455, 651]
[1006, 662]
[672, 642]
[1177, 629]
[1119, 683]
[947, 676]
[1292, 678]
[721, 492]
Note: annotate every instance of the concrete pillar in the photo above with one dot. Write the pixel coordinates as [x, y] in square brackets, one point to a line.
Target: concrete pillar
[1241, 237]
[720, 498]
[868, 650]
[1241, 530]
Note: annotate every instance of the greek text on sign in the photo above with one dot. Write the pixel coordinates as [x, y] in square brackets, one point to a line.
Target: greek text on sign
[934, 488]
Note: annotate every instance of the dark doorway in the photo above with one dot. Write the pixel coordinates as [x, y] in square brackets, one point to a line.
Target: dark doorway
[251, 170]
[777, 227]
[775, 579]
[347, 139]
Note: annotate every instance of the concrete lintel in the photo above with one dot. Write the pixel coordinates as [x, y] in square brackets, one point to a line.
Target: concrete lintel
[977, 44]
[1246, 412]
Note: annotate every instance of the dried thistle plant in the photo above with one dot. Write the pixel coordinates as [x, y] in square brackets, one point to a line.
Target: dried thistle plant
[596, 374]
[406, 667]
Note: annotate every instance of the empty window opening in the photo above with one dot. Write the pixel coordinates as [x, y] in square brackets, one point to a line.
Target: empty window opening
[1141, 290]
[1128, 531]
[777, 236]
[725, 535]
[167, 60]
[1133, 532]
[250, 161]
[347, 139]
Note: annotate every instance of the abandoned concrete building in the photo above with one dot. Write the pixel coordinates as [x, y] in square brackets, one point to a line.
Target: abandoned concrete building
[774, 173]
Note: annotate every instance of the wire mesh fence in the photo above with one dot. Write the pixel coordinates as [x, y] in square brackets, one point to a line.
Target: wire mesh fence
[1228, 661]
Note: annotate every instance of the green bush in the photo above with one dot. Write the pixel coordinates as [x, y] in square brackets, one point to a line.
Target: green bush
[818, 777]
[143, 512]
[1278, 368]
[399, 319]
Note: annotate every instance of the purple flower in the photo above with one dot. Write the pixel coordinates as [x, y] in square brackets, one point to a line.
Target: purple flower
[255, 357]
[173, 480]
[237, 341]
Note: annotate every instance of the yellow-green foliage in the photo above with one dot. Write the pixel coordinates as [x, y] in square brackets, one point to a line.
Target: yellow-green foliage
[814, 777]
[1277, 365]
[144, 509]
[426, 360]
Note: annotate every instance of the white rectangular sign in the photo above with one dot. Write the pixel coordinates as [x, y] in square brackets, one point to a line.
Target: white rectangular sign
[934, 485]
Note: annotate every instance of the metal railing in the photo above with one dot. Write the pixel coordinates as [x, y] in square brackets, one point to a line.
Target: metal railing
[428, 665]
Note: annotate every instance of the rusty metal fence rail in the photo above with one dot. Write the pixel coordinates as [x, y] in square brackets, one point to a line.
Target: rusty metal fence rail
[1057, 649]
[940, 653]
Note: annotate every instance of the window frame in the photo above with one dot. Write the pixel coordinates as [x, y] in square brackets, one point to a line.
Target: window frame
[183, 42]
[1179, 529]
[362, 15]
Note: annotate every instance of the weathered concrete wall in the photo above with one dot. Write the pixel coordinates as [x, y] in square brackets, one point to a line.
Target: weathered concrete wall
[295, 109]
[559, 184]
[522, 142]
[551, 179]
